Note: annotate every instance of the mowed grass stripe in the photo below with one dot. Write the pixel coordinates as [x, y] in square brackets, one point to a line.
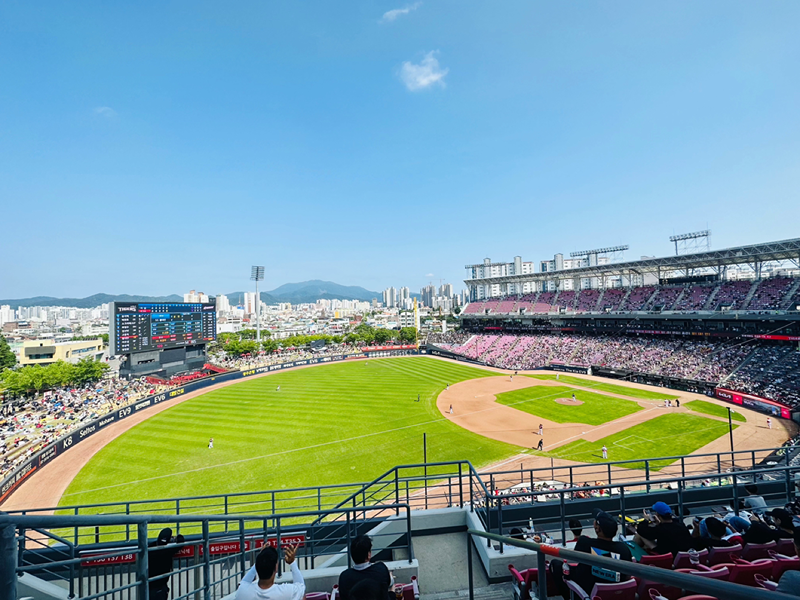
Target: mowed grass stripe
[608, 387]
[541, 401]
[336, 423]
[715, 410]
[674, 434]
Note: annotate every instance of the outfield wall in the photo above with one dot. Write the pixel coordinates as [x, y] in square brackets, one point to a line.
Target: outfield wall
[61, 445]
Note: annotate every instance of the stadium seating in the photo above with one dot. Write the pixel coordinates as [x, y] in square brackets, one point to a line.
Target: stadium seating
[732, 294]
[775, 293]
[587, 300]
[544, 302]
[637, 299]
[770, 293]
[694, 298]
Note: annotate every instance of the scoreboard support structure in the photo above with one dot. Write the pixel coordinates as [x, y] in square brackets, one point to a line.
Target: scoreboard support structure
[160, 339]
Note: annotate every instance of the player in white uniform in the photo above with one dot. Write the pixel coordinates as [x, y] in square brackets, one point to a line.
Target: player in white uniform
[211, 444]
[769, 422]
[605, 452]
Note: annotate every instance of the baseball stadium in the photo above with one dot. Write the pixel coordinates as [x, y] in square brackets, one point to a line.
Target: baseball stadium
[471, 459]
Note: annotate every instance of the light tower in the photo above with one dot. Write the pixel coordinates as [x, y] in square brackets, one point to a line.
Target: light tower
[257, 274]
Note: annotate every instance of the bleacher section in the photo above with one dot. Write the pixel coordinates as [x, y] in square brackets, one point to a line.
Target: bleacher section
[777, 293]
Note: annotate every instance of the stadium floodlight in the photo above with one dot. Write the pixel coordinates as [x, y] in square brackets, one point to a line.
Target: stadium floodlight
[688, 242]
[609, 250]
[257, 274]
[689, 236]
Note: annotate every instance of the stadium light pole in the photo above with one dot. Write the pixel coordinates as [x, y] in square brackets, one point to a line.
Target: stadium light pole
[257, 274]
[730, 430]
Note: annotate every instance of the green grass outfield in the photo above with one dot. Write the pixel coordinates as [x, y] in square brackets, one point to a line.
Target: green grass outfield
[609, 387]
[715, 410]
[674, 434]
[338, 423]
[595, 410]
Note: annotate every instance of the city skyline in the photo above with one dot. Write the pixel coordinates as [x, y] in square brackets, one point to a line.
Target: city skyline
[152, 149]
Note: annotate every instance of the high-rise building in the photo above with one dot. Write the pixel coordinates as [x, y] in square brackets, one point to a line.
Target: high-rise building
[6, 314]
[446, 290]
[223, 305]
[390, 297]
[428, 294]
[249, 303]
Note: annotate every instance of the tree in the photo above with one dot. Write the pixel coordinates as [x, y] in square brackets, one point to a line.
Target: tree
[7, 358]
[408, 335]
[88, 371]
[269, 345]
[382, 336]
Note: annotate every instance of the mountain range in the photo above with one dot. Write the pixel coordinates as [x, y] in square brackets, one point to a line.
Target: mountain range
[296, 293]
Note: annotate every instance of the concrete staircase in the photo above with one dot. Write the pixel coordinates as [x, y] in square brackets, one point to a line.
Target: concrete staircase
[712, 298]
[750, 294]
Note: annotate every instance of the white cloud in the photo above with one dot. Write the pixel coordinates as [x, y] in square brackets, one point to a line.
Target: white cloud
[391, 15]
[429, 275]
[105, 111]
[424, 75]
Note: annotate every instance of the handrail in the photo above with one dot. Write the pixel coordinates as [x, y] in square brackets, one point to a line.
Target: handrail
[188, 498]
[733, 475]
[396, 470]
[644, 460]
[61, 521]
[704, 585]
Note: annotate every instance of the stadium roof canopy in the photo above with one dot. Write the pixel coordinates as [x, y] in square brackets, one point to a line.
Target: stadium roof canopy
[755, 255]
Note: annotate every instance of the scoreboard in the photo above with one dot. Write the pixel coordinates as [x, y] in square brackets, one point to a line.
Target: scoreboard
[145, 327]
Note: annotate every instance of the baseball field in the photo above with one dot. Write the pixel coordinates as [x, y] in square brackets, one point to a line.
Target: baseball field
[351, 422]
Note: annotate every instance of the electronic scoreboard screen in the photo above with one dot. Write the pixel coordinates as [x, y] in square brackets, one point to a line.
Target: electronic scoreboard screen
[144, 327]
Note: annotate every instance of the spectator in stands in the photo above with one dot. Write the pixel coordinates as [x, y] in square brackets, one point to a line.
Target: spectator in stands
[364, 569]
[576, 528]
[753, 500]
[789, 582]
[259, 581]
[159, 561]
[759, 532]
[784, 525]
[662, 533]
[709, 533]
[605, 527]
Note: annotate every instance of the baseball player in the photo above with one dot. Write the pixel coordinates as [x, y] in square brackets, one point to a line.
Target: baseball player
[605, 452]
[211, 444]
[541, 429]
[769, 422]
[540, 447]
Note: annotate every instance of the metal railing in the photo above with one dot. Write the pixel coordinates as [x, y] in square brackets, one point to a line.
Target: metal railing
[208, 563]
[703, 585]
[722, 490]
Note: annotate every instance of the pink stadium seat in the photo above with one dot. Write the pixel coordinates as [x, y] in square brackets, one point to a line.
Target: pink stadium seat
[753, 551]
[657, 560]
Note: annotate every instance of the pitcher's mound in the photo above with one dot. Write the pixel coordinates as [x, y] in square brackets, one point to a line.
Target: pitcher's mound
[569, 401]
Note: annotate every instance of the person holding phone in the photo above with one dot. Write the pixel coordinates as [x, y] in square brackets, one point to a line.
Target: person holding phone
[259, 582]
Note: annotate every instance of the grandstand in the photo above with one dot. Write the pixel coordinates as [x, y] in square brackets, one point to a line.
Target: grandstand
[750, 328]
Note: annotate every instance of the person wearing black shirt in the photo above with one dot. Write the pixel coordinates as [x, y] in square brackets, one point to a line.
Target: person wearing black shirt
[605, 527]
[159, 562]
[784, 523]
[363, 569]
[665, 534]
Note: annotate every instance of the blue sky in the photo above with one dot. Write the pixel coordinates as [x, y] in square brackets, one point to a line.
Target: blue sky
[154, 147]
